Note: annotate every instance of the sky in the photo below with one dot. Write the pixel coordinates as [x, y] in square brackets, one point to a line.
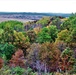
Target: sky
[54, 6]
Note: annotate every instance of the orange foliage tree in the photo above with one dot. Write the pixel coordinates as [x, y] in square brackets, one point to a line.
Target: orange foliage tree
[66, 64]
[50, 55]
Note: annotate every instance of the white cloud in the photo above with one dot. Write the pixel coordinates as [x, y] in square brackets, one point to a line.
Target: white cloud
[57, 6]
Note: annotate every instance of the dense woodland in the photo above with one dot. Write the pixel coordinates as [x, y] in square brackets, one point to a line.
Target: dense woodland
[43, 47]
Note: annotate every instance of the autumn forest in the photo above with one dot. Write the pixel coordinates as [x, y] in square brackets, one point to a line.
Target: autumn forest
[41, 47]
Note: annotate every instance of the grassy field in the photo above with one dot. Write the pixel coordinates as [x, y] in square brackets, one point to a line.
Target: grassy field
[22, 20]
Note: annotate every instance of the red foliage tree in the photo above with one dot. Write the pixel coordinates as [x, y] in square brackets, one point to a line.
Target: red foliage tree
[1, 63]
[17, 59]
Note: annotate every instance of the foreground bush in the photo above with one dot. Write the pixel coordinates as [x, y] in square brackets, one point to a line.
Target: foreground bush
[11, 71]
[5, 71]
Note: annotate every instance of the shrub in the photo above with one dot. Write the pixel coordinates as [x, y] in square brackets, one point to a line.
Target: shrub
[5, 71]
[18, 71]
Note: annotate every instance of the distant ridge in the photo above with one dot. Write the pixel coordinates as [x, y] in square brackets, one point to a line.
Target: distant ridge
[35, 13]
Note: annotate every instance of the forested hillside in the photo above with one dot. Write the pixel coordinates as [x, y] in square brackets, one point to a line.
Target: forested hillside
[42, 47]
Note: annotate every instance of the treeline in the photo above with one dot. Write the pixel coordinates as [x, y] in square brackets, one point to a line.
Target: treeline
[43, 47]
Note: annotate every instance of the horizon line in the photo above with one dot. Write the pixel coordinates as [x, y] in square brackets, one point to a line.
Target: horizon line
[35, 12]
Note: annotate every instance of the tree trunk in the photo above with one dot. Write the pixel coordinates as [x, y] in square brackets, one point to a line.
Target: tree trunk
[45, 69]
